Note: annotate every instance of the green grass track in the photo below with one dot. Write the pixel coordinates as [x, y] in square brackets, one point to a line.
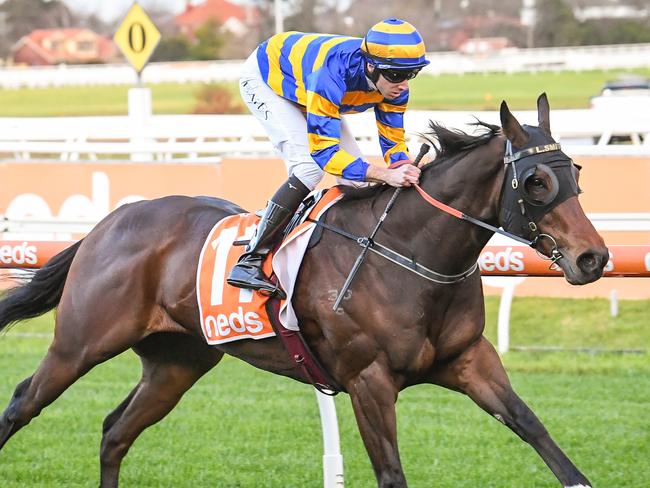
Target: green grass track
[240, 427]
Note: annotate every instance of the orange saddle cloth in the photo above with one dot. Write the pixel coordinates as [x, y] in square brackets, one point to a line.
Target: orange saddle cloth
[229, 313]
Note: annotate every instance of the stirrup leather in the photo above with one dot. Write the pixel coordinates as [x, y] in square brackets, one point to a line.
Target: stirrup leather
[247, 273]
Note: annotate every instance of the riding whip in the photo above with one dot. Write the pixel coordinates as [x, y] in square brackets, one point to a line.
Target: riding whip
[367, 242]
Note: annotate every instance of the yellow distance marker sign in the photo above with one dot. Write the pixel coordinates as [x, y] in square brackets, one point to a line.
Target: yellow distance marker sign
[137, 37]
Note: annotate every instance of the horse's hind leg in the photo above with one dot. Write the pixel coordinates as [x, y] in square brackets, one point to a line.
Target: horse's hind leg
[79, 344]
[60, 368]
[36, 392]
[171, 364]
[478, 372]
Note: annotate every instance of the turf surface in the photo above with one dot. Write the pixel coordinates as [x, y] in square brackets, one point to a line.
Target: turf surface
[240, 427]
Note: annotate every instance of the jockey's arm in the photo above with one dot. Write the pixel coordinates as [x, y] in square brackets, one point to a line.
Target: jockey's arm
[389, 116]
[390, 123]
[324, 132]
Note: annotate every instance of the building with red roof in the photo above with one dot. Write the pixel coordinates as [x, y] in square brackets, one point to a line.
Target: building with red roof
[236, 19]
[484, 45]
[57, 46]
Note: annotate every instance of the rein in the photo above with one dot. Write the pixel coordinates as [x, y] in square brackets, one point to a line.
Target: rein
[508, 158]
[462, 216]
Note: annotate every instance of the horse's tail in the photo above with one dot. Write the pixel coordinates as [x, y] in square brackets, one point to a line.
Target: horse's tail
[41, 293]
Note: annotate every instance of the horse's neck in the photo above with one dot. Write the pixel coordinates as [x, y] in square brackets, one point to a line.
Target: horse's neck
[437, 240]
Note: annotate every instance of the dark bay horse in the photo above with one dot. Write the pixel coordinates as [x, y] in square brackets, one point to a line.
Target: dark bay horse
[131, 284]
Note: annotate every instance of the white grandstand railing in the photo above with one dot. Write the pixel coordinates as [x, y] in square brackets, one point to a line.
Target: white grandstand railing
[209, 137]
[623, 222]
[603, 222]
[507, 60]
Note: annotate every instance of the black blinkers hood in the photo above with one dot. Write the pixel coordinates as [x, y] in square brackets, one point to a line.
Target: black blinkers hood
[519, 215]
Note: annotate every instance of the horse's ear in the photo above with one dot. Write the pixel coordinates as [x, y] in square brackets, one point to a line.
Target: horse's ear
[511, 127]
[543, 117]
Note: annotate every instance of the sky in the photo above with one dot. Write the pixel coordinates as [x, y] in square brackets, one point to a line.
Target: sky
[109, 10]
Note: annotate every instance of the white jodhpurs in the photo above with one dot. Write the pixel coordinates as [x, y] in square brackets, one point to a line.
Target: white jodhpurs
[286, 126]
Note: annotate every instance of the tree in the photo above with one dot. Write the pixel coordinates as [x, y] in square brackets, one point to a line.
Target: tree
[556, 25]
[175, 48]
[614, 31]
[96, 24]
[307, 16]
[209, 41]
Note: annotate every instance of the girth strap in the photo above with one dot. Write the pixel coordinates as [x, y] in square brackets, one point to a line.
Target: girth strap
[301, 354]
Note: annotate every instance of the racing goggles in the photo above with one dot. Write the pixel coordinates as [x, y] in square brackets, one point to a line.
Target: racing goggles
[399, 75]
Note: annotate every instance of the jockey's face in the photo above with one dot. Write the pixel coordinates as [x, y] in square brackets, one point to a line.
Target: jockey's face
[388, 89]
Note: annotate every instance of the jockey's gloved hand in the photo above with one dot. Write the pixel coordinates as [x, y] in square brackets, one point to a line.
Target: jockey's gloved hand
[403, 175]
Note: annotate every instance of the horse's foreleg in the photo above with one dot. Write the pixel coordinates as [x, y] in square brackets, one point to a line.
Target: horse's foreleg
[373, 397]
[170, 366]
[479, 373]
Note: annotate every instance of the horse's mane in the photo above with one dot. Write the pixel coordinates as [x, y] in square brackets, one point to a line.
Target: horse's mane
[453, 141]
[447, 143]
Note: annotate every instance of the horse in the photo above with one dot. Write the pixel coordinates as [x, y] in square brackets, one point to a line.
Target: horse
[130, 283]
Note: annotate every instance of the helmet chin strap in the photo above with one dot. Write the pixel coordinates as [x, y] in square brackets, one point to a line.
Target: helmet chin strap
[372, 76]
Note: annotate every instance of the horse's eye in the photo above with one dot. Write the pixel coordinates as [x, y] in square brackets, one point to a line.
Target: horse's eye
[538, 183]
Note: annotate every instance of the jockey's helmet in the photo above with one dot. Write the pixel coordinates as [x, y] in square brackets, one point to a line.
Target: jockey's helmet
[394, 44]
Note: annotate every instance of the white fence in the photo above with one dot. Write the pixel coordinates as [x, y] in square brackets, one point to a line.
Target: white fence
[513, 60]
[507, 60]
[206, 138]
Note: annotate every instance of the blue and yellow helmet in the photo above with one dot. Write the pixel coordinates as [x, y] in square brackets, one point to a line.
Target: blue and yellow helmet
[394, 44]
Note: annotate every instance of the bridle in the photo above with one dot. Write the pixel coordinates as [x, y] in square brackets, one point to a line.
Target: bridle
[523, 201]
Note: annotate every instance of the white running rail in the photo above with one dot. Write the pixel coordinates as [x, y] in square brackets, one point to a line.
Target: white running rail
[510, 60]
[177, 138]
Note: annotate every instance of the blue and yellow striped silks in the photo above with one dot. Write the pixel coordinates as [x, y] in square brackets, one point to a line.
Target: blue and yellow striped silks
[390, 124]
[394, 43]
[325, 74]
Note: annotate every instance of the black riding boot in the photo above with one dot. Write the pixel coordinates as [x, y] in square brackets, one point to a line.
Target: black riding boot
[247, 273]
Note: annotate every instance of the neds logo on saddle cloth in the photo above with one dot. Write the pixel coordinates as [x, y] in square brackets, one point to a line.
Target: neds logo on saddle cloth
[229, 313]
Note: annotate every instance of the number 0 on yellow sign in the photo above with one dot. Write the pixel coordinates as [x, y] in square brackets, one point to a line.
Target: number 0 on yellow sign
[137, 37]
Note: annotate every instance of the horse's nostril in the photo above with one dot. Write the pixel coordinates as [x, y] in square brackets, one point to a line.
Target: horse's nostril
[589, 262]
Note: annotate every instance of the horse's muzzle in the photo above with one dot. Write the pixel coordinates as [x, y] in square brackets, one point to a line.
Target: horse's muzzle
[589, 266]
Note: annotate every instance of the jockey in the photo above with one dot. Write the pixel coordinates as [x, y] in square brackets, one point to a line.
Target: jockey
[298, 85]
